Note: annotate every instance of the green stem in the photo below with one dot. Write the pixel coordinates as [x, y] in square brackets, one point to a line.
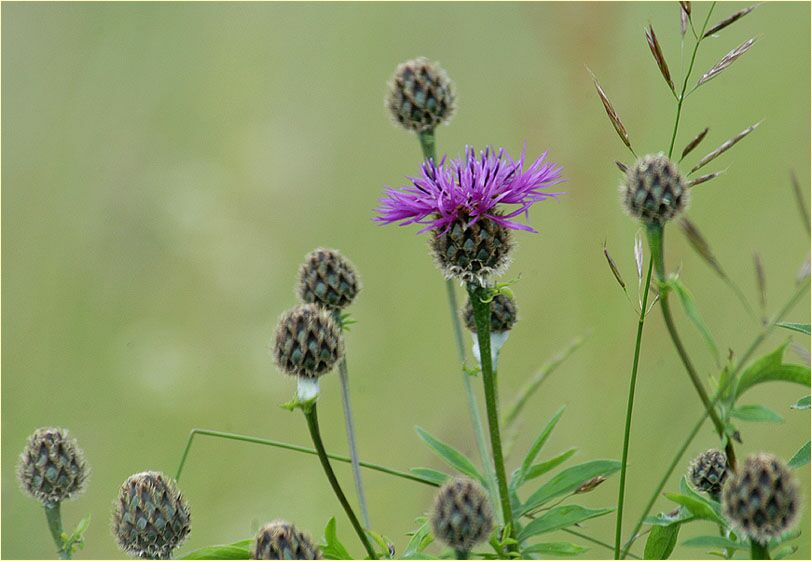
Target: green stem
[482, 317]
[313, 425]
[428, 144]
[462, 554]
[655, 235]
[681, 98]
[54, 516]
[295, 448]
[344, 380]
[593, 540]
[800, 291]
[629, 410]
[758, 550]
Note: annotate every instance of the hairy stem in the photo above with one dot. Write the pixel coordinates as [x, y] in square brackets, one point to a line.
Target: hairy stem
[681, 98]
[482, 316]
[758, 550]
[313, 425]
[294, 448]
[54, 515]
[629, 410]
[344, 380]
[800, 291]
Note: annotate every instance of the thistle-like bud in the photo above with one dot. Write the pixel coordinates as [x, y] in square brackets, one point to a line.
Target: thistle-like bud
[308, 341]
[52, 467]
[462, 516]
[421, 95]
[503, 314]
[708, 471]
[472, 252]
[654, 190]
[328, 279]
[762, 498]
[151, 517]
[280, 540]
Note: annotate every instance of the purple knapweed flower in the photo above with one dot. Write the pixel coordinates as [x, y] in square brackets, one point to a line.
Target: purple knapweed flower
[476, 186]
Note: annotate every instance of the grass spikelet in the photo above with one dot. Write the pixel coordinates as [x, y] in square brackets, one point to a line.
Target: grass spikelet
[726, 61]
[729, 20]
[694, 143]
[657, 52]
[725, 146]
[612, 114]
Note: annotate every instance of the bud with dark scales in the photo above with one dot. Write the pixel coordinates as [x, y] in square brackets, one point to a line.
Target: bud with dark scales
[503, 314]
[462, 516]
[762, 499]
[308, 341]
[151, 517]
[52, 467]
[421, 96]
[654, 190]
[708, 471]
[472, 252]
[328, 279]
[280, 540]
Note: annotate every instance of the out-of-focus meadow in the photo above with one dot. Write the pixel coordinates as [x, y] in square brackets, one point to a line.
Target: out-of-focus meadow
[165, 168]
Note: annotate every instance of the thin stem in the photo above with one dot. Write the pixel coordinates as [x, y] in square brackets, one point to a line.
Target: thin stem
[595, 541]
[482, 316]
[462, 554]
[54, 515]
[629, 410]
[800, 291]
[344, 380]
[294, 448]
[758, 550]
[428, 144]
[681, 99]
[313, 425]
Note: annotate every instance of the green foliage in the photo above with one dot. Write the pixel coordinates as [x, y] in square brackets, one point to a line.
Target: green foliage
[771, 368]
[756, 413]
[687, 301]
[76, 540]
[430, 474]
[419, 541]
[560, 517]
[539, 469]
[554, 549]
[332, 548]
[451, 456]
[799, 327]
[714, 541]
[568, 481]
[519, 476]
[802, 403]
[697, 505]
[661, 541]
[801, 457]
[236, 550]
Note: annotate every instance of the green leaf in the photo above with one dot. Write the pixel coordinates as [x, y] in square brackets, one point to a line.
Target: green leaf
[332, 548]
[554, 549]
[770, 368]
[693, 314]
[756, 413]
[537, 470]
[569, 480]
[432, 475]
[802, 403]
[534, 450]
[383, 542]
[785, 552]
[420, 540]
[695, 506]
[801, 457]
[236, 550]
[560, 517]
[661, 541]
[452, 457]
[799, 327]
[714, 541]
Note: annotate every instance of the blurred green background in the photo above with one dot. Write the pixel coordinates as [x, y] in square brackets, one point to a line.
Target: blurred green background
[166, 167]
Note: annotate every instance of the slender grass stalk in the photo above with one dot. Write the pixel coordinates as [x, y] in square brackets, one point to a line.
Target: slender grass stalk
[482, 316]
[758, 550]
[344, 379]
[54, 515]
[800, 291]
[429, 147]
[681, 98]
[655, 235]
[595, 541]
[629, 410]
[294, 448]
[313, 425]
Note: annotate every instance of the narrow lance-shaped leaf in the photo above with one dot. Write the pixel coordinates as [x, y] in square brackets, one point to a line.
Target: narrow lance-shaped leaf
[799, 327]
[661, 541]
[714, 541]
[237, 550]
[452, 457]
[704, 178]
[657, 52]
[569, 480]
[726, 61]
[554, 549]
[701, 246]
[801, 457]
[536, 446]
[756, 413]
[799, 199]
[729, 20]
[613, 116]
[771, 368]
[560, 517]
[539, 469]
[694, 142]
[725, 146]
[687, 301]
[801, 404]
